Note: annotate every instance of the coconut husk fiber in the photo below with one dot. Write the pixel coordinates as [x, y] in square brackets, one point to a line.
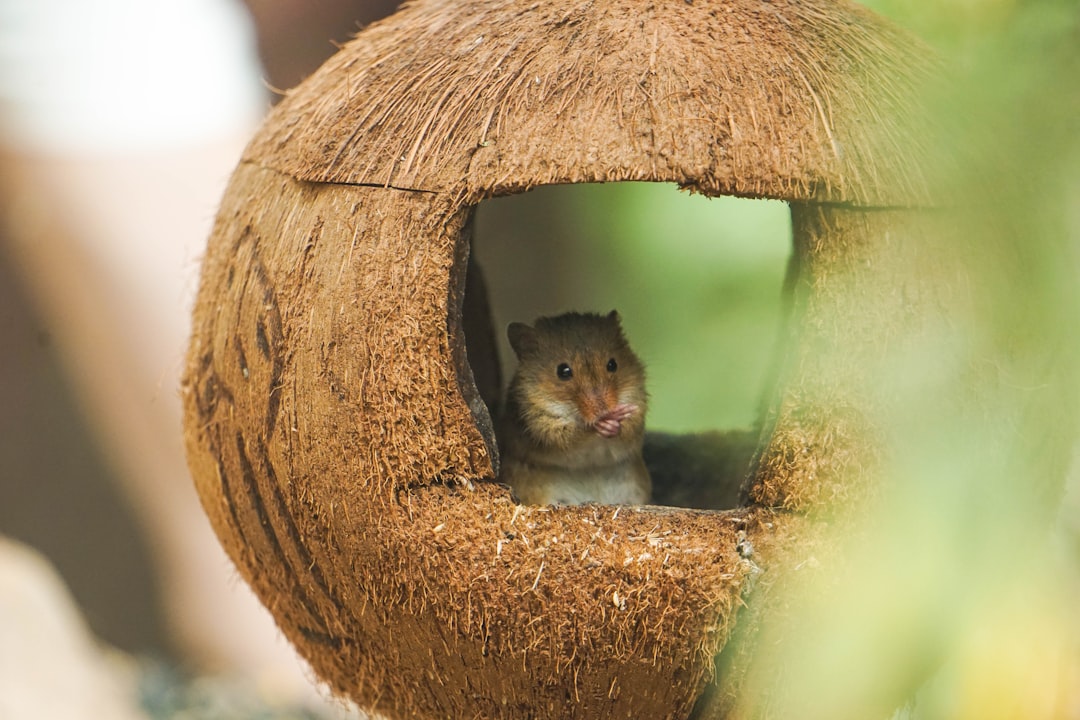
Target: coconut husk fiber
[791, 100]
[334, 403]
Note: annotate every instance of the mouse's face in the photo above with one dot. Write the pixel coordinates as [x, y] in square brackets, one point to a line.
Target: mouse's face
[577, 373]
[587, 386]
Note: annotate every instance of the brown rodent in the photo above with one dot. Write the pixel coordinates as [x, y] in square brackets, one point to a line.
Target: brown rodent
[573, 425]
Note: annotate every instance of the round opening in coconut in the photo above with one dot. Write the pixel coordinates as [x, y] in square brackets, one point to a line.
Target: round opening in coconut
[342, 394]
[698, 283]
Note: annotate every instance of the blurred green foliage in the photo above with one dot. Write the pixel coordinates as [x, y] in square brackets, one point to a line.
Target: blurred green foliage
[961, 594]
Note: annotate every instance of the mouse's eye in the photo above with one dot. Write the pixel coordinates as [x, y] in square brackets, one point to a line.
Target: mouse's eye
[564, 372]
[612, 366]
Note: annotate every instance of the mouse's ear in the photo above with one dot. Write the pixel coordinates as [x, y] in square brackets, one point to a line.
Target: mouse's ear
[613, 316]
[522, 338]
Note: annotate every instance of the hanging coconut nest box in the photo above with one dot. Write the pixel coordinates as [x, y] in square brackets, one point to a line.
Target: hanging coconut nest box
[334, 427]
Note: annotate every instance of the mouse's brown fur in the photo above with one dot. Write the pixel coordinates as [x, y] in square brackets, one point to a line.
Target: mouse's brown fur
[574, 422]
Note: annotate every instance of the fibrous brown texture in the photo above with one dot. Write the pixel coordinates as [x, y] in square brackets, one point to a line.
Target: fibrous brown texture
[333, 449]
[794, 100]
[334, 426]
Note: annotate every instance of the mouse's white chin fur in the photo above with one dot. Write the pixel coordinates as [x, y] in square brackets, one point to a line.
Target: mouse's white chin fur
[563, 411]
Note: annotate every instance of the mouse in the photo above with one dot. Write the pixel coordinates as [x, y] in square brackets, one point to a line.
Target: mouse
[573, 424]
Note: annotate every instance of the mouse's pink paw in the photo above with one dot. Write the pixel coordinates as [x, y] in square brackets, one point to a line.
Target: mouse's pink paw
[610, 423]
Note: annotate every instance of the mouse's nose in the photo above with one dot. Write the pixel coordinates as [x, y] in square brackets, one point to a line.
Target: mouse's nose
[593, 406]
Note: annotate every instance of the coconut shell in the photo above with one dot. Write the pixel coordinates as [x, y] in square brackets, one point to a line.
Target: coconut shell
[335, 412]
[813, 100]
